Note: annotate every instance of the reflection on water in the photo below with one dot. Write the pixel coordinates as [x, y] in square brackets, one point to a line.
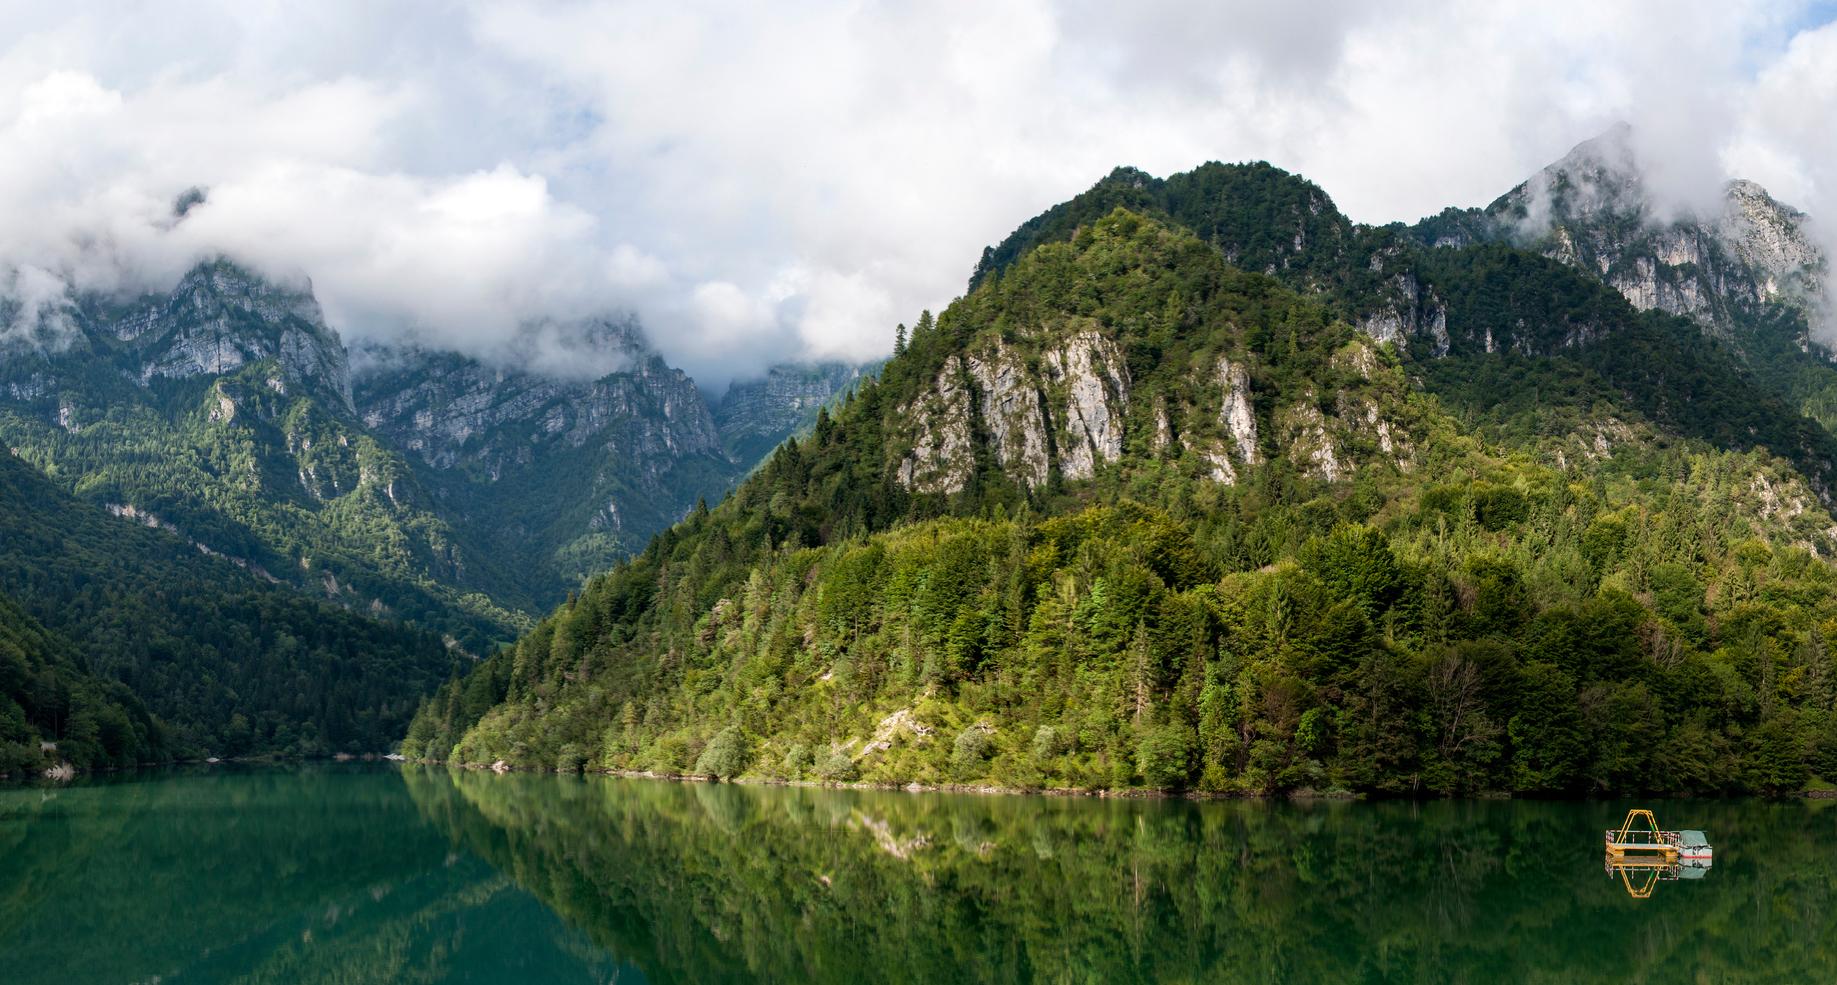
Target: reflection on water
[320, 875]
[1641, 876]
[428, 875]
[702, 883]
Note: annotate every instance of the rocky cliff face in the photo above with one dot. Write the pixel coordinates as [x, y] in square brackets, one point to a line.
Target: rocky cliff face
[451, 411]
[220, 318]
[1062, 413]
[1401, 311]
[1235, 444]
[1066, 405]
[755, 415]
[1722, 267]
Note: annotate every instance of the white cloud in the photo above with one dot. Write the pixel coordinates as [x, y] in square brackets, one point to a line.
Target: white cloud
[761, 182]
[35, 310]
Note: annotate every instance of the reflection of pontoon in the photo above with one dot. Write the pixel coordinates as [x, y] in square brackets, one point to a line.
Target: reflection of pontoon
[1644, 856]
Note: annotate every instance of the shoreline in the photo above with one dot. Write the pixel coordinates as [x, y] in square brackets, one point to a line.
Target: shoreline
[1130, 793]
[990, 790]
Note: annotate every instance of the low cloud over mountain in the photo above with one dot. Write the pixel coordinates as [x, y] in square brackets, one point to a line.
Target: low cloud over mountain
[778, 183]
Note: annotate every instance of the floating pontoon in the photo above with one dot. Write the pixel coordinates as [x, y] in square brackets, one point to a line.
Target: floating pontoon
[1635, 839]
[1642, 855]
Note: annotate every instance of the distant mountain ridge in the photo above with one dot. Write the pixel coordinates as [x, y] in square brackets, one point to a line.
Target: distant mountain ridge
[222, 410]
[428, 489]
[755, 415]
[427, 485]
[581, 470]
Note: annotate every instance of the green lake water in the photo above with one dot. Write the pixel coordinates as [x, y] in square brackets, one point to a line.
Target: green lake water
[355, 874]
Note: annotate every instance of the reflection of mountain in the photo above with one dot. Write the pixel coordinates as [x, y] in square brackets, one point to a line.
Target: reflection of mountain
[322, 877]
[699, 883]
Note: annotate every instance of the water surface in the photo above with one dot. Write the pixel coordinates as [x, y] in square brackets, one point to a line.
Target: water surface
[347, 874]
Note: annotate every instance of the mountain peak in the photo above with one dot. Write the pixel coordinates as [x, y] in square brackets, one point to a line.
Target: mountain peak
[1598, 175]
[1263, 219]
[1717, 262]
[222, 316]
[1613, 146]
[222, 281]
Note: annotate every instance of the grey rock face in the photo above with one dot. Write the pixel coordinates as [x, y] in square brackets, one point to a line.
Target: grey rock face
[1771, 241]
[1090, 371]
[1239, 423]
[1304, 430]
[1015, 416]
[1593, 210]
[1406, 312]
[1233, 444]
[1067, 412]
[942, 456]
[755, 415]
[220, 318]
[451, 411]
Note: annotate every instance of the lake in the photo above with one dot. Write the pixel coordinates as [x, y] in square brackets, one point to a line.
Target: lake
[376, 874]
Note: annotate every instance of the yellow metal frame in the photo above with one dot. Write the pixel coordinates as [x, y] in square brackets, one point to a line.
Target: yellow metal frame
[1644, 889]
[1619, 845]
[1651, 872]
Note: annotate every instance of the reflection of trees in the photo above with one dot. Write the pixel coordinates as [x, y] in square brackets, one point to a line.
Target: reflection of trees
[312, 876]
[708, 883]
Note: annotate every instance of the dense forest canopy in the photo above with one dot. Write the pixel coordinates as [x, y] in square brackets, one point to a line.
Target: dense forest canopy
[230, 664]
[53, 710]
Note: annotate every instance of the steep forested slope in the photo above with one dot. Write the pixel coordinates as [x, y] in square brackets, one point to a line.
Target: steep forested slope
[53, 710]
[232, 663]
[1128, 515]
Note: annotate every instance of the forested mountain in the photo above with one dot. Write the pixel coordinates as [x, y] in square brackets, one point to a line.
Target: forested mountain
[436, 499]
[222, 412]
[231, 664]
[1203, 486]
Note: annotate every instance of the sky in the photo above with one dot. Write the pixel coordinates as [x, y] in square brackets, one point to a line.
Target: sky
[767, 182]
